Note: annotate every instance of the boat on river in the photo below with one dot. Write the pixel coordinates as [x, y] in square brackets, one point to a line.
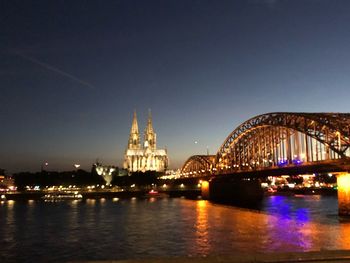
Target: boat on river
[62, 196]
[155, 193]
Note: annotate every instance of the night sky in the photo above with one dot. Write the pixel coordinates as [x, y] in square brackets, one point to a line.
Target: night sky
[72, 73]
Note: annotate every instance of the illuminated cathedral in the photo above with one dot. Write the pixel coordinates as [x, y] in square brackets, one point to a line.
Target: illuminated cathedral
[146, 157]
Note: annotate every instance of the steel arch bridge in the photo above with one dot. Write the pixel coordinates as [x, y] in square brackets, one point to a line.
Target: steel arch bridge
[280, 139]
[198, 165]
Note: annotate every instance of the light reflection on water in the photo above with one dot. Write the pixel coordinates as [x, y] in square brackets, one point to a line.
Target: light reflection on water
[139, 228]
[201, 227]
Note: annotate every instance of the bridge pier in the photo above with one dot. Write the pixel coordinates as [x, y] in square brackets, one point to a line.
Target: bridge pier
[233, 190]
[205, 190]
[343, 182]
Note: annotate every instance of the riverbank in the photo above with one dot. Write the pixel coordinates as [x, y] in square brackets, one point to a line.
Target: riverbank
[190, 194]
[39, 195]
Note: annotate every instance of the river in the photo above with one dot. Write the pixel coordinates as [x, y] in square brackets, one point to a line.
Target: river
[33, 231]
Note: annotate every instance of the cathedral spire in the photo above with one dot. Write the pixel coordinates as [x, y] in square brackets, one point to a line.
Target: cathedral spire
[134, 126]
[149, 128]
[134, 138]
[150, 136]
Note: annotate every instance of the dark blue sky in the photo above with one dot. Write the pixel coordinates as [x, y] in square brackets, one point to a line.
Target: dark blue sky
[72, 72]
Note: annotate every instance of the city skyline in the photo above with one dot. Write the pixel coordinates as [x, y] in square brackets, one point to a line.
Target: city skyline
[72, 74]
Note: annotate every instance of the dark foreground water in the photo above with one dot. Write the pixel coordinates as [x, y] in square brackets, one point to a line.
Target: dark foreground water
[36, 231]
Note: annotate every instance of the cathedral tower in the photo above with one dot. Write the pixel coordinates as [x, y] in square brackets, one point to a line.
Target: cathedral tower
[150, 140]
[134, 137]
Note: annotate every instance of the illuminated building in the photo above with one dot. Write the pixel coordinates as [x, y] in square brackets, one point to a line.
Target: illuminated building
[108, 171]
[171, 174]
[146, 157]
[105, 171]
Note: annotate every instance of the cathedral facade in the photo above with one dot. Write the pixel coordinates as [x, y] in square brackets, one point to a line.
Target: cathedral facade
[145, 157]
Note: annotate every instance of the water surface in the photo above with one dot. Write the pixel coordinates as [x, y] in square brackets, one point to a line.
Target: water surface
[139, 228]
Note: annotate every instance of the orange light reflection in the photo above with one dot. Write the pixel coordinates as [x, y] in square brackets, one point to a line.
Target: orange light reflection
[202, 227]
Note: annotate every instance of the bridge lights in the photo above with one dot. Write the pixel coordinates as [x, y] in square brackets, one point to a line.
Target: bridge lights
[297, 161]
[282, 162]
[337, 133]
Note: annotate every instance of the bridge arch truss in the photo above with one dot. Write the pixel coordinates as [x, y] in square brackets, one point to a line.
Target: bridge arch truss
[279, 139]
[198, 165]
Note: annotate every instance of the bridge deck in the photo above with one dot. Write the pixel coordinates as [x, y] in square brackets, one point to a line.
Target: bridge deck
[333, 166]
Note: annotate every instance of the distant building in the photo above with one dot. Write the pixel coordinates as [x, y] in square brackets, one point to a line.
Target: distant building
[108, 171]
[146, 157]
[6, 182]
[171, 174]
[105, 171]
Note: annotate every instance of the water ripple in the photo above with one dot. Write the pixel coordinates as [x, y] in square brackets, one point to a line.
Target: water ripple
[141, 228]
